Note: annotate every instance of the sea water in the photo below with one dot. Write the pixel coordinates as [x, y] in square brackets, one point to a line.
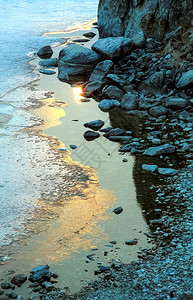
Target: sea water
[22, 24]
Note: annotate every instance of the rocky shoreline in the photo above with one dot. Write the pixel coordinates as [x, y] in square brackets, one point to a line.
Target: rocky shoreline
[148, 94]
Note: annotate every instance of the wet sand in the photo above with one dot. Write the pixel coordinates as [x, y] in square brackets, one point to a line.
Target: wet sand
[83, 218]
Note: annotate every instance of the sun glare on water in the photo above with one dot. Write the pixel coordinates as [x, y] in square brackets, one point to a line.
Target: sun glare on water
[77, 94]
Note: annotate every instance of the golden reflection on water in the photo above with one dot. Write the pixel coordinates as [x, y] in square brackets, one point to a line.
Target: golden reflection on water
[77, 91]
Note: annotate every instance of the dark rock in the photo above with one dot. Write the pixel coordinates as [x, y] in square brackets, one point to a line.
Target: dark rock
[129, 101]
[159, 150]
[185, 80]
[6, 286]
[73, 147]
[176, 103]
[11, 295]
[45, 52]
[46, 71]
[19, 279]
[95, 125]
[101, 70]
[89, 34]
[156, 80]
[125, 148]
[114, 132]
[125, 160]
[113, 92]
[81, 40]
[107, 129]
[51, 62]
[131, 242]
[118, 138]
[91, 135]
[104, 268]
[158, 111]
[113, 47]
[150, 168]
[139, 40]
[116, 80]
[106, 104]
[40, 274]
[118, 210]
[94, 87]
[167, 171]
[48, 286]
[156, 222]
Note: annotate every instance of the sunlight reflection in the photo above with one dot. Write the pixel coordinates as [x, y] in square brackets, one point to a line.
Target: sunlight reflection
[77, 91]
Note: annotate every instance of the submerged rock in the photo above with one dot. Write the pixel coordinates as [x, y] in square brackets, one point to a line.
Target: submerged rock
[45, 52]
[95, 125]
[159, 150]
[113, 47]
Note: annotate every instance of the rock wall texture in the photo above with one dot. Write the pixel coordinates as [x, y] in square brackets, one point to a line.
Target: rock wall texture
[155, 18]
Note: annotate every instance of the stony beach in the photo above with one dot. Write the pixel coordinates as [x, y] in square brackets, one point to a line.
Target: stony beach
[145, 89]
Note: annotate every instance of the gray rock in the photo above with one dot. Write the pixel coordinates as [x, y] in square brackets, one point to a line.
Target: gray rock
[45, 52]
[94, 87]
[129, 101]
[158, 111]
[114, 132]
[185, 80]
[46, 71]
[113, 92]
[116, 80]
[131, 242]
[104, 268]
[75, 60]
[40, 274]
[156, 80]
[19, 279]
[150, 168]
[118, 210]
[139, 40]
[51, 62]
[176, 103]
[159, 150]
[167, 171]
[91, 135]
[113, 47]
[95, 125]
[106, 104]
[101, 70]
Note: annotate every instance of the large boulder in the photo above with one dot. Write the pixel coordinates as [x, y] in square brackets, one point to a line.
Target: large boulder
[75, 59]
[45, 52]
[185, 80]
[101, 70]
[113, 47]
[153, 17]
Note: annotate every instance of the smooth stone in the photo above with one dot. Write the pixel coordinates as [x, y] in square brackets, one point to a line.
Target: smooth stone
[167, 171]
[159, 150]
[73, 147]
[40, 274]
[113, 92]
[95, 125]
[115, 138]
[45, 52]
[101, 70]
[158, 111]
[129, 101]
[50, 62]
[113, 47]
[46, 71]
[131, 242]
[125, 160]
[185, 80]
[94, 87]
[176, 103]
[150, 168]
[89, 34]
[106, 104]
[91, 135]
[104, 268]
[19, 279]
[114, 132]
[106, 129]
[118, 210]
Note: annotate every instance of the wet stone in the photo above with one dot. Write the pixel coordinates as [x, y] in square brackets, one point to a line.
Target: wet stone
[131, 242]
[91, 135]
[6, 286]
[73, 147]
[118, 210]
[104, 268]
[40, 274]
[95, 125]
[150, 168]
[11, 295]
[19, 279]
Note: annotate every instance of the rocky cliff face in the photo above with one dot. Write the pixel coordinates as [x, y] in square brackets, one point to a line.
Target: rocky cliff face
[155, 18]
